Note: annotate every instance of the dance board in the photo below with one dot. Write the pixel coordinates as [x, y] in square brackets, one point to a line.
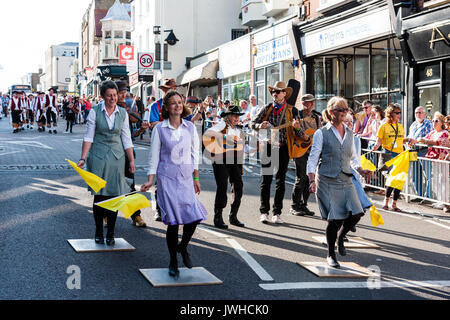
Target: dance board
[352, 243]
[198, 276]
[89, 245]
[347, 270]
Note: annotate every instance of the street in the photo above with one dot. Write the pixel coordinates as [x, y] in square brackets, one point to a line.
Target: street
[44, 203]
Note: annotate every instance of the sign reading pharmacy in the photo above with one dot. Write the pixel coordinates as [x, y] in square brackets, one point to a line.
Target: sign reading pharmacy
[273, 51]
[346, 33]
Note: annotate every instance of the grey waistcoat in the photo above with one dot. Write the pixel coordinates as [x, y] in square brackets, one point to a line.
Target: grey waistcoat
[335, 158]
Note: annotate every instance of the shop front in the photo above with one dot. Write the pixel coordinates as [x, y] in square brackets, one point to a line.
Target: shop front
[234, 69]
[354, 55]
[425, 39]
[272, 59]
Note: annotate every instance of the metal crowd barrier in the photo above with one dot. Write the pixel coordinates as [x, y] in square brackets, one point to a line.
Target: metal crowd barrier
[428, 179]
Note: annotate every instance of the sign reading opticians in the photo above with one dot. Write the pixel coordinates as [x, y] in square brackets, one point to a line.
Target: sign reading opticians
[346, 33]
[276, 50]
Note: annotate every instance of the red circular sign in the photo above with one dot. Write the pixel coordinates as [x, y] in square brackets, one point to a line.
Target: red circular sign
[146, 61]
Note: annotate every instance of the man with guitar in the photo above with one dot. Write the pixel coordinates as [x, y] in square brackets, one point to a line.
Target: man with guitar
[224, 142]
[310, 122]
[278, 115]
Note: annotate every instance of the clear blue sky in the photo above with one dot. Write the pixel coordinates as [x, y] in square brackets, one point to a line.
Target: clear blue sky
[29, 27]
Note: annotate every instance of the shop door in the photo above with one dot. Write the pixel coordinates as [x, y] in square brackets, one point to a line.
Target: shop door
[429, 98]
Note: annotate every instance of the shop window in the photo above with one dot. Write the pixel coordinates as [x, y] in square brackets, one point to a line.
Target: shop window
[261, 94]
[273, 74]
[361, 73]
[429, 98]
[379, 67]
[395, 97]
[429, 72]
[259, 76]
[380, 100]
[288, 71]
[447, 87]
[395, 64]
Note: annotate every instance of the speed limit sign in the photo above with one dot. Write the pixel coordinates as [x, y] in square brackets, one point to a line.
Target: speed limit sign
[145, 63]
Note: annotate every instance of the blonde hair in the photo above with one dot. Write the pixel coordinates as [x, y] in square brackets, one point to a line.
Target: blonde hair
[390, 110]
[332, 104]
[440, 117]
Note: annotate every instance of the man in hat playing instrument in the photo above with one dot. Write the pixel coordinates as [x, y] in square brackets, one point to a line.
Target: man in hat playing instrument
[279, 150]
[227, 165]
[15, 107]
[310, 122]
[51, 110]
[23, 114]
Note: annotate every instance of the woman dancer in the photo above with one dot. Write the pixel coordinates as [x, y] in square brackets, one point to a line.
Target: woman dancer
[174, 159]
[335, 193]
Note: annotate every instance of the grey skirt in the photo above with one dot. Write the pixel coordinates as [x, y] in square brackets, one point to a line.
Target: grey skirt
[337, 197]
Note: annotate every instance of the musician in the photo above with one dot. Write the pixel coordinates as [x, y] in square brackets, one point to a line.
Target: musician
[123, 87]
[279, 151]
[310, 120]
[15, 105]
[227, 165]
[30, 111]
[39, 104]
[52, 111]
[71, 110]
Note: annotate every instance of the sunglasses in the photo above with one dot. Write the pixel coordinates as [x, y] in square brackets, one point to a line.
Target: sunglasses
[397, 112]
[436, 120]
[277, 91]
[420, 112]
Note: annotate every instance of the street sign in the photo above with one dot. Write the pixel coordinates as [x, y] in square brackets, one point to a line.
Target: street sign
[126, 53]
[145, 64]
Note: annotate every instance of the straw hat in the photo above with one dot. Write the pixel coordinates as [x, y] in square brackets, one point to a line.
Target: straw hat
[281, 85]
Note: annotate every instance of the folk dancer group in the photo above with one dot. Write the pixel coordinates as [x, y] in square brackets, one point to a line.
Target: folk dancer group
[42, 109]
[325, 170]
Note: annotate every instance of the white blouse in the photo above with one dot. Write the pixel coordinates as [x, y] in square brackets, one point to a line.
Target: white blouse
[317, 145]
[155, 146]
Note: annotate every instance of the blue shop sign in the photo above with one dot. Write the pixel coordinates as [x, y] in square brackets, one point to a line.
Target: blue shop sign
[273, 51]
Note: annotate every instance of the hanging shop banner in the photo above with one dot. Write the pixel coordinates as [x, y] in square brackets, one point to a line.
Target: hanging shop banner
[273, 51]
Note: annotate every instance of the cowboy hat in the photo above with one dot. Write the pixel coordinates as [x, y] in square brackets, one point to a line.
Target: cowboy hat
[231, 110]
[308, 97]
[168, 84]
[281, 85]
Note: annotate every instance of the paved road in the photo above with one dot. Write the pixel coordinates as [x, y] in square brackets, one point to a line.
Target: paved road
[44, 203]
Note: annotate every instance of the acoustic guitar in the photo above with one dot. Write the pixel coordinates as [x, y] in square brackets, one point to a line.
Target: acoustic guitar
[300, 146]
[220, 146]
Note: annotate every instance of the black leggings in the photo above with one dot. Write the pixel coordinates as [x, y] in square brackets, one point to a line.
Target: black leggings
[172, 238]
[100, 213]
[337, 229]
[396, 193]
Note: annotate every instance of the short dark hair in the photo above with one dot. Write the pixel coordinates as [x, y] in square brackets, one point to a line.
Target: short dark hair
[108, 84]
[165, 112]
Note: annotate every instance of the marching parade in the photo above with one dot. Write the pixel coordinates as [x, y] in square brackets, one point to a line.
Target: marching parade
[351, 127]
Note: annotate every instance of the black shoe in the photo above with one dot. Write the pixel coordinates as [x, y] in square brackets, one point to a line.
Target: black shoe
[341, 248]
[15, 131]
[218, 220]
[186, 258]
[296, 212]
[99, 240]
[235, 222]
[307, 211]
[50, 131]
[54, 131]
[353, 229]
[173, 269]
[110, 241]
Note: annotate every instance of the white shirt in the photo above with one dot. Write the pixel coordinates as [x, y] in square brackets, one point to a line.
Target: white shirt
[317, 145]
[125, 134]
[254, 111]
[230, 131]
[155, 146]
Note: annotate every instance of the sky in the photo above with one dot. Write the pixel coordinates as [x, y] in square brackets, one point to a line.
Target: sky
[28, 28]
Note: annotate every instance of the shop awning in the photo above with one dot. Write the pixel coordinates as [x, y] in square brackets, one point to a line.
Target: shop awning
[203, 75]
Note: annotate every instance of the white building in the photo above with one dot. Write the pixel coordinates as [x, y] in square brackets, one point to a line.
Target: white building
[199, 25]
[58, 60]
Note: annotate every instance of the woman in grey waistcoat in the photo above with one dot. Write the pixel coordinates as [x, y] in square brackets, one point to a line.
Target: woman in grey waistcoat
[105, 145]
[174, 159]
[333, 155]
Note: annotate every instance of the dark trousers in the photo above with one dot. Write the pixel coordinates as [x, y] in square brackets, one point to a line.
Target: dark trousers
[51, 117]
[223, 172]
[281, 163]
[338, 229]
[70, 117]
[130, 175]
[300, 193]
[100, 213]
